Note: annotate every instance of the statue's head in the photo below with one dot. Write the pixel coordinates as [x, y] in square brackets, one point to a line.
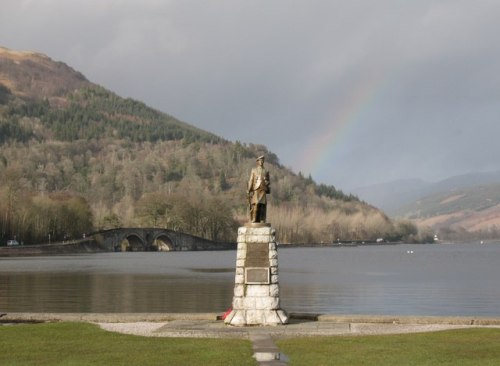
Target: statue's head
[260, 160]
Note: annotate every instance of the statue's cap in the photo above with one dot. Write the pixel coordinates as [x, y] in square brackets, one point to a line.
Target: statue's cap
[261, 157]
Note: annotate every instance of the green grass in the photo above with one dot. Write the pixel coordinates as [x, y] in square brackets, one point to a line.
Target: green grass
[87, 344]
[454, 348]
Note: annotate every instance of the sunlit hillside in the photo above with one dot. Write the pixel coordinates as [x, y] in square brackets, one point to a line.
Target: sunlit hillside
[472, 210]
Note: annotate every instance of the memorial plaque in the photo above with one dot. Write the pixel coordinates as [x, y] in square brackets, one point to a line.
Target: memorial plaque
[257, 276]
[257, 255]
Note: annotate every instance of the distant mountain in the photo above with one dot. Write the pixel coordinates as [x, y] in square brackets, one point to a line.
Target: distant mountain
[466, 180]
[73, 152]
[391, 196]
[466, 202]
[473, 208]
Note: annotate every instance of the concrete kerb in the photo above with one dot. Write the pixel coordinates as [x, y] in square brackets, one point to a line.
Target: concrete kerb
[419, 320]
[105, 317]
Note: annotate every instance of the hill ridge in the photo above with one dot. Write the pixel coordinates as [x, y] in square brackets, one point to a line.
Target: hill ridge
[31, 75]
[458, 207]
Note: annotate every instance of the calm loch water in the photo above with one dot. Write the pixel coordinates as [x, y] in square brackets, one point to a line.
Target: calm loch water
[458, 279]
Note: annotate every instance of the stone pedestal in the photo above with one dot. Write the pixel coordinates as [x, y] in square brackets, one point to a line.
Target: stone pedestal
[256, 298]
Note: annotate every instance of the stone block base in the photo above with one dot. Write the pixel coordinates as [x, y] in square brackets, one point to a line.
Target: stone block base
[256, 289]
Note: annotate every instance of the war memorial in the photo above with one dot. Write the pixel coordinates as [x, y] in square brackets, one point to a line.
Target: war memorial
[256, 298]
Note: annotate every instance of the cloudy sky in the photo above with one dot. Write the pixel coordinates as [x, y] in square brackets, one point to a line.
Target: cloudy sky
[353, 92]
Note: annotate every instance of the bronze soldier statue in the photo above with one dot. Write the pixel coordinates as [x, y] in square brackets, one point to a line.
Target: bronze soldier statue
[259, 185]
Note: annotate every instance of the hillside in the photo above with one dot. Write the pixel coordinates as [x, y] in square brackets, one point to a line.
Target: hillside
[31, 75]
[391, 196]
[62, 105]
[397, 197]
[459, 211]
[76, 157]
[458, 207]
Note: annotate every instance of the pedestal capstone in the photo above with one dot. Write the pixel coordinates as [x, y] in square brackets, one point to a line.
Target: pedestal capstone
[256, 298]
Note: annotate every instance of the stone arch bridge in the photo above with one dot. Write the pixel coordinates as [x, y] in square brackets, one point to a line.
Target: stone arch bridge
[154, 239]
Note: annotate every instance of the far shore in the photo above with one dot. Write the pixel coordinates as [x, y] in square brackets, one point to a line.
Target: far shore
[90, 246]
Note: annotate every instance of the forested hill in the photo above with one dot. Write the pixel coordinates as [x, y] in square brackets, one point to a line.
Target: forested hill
[67, 107]
[76, 157]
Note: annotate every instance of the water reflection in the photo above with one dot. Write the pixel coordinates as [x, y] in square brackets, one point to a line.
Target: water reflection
[95, 292]
[434, 280]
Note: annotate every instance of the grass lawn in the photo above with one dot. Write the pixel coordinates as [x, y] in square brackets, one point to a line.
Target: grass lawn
[87, 344]
[463, 347]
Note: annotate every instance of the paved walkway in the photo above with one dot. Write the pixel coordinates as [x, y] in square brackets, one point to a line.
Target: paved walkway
[207, 326]
[296, 328]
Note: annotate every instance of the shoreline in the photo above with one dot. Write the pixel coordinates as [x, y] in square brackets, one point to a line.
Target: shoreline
[13, 317]
[91, 247]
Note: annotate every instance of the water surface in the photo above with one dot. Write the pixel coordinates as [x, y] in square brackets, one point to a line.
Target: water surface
[458, 279]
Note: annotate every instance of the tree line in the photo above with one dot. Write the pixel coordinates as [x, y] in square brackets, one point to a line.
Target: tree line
[40, 218]
[197, 188]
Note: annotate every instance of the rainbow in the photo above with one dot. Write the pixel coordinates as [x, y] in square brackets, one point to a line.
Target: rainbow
[338, 127]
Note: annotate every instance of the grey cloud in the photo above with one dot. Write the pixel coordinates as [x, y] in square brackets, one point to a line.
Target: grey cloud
[274, 72]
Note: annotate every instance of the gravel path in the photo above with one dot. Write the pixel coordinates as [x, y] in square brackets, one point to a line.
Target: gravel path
[146, 329]
[216, 329]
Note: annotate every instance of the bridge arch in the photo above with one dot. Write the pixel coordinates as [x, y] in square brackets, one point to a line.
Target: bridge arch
[163, 243]
[132, 243]
[152, 239]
